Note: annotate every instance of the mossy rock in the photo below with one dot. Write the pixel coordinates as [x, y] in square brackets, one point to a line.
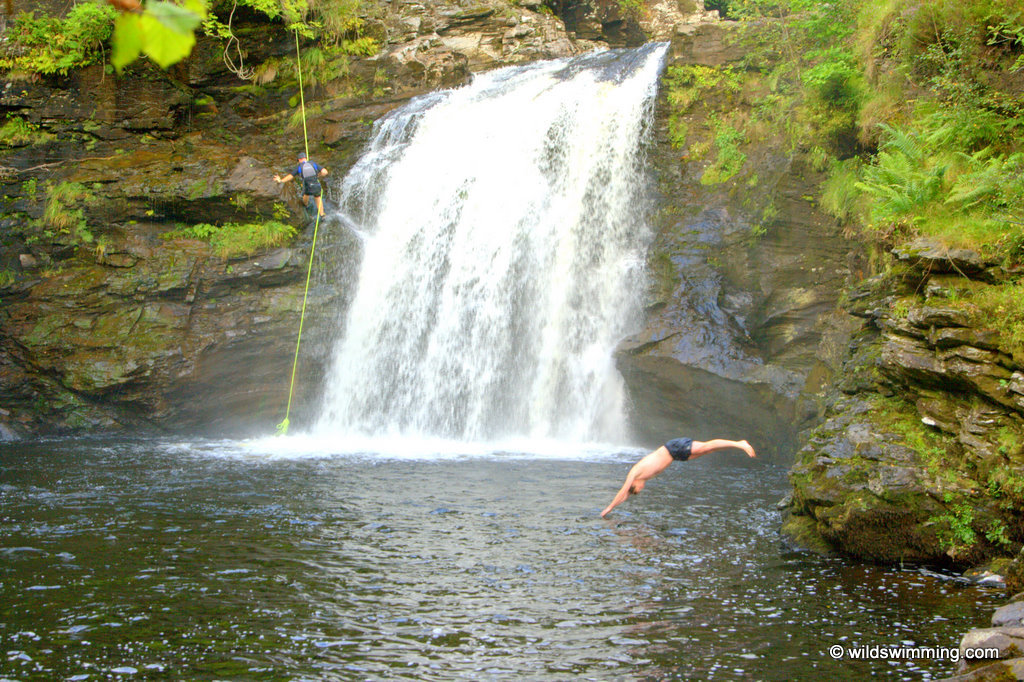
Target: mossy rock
[803, 533]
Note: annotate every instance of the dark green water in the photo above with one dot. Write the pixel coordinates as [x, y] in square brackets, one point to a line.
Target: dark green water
[156, 561]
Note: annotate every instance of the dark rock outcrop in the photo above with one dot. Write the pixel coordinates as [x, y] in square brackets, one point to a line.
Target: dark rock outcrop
[926, 440]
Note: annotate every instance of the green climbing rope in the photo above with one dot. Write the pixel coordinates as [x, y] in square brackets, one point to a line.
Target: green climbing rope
[282, 428]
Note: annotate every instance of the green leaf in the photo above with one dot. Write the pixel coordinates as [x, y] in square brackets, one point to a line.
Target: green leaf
[164, 45]
[164, 32]
[174, 17]
[127, 39]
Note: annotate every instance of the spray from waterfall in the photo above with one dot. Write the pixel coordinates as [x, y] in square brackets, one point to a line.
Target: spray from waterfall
[503, 256]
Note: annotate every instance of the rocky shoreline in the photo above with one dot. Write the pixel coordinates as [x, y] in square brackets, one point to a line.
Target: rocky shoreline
[1006, 636]
[915, 459]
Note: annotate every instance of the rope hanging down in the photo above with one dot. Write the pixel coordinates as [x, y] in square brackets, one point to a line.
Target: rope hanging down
[282, 428]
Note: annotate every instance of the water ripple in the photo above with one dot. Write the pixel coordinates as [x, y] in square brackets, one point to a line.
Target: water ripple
[183, 562]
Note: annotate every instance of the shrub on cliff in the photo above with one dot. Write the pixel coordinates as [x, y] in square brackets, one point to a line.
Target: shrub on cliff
[165, 31]
[950, 160]
[927, 95]
[232, 240]
[48, 45]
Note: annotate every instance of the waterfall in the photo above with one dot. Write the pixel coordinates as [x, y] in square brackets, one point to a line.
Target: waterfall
[504, 237]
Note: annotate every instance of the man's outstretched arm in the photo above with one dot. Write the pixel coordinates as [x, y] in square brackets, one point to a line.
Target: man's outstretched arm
[644, 470]
[621, 496]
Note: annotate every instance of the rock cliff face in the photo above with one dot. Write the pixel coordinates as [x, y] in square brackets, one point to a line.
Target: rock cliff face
[920, 456]
[108, 323]
[742, 330]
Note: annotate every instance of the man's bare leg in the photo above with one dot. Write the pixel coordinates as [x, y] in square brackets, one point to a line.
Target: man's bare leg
[700, 448]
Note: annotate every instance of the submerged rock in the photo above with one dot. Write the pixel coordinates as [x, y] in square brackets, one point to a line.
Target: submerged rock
[988, 579]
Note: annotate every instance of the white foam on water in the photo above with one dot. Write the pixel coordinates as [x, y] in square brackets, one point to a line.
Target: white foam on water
[310, 446]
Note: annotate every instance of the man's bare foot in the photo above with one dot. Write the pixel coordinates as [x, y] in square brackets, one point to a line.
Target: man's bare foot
[745, 447]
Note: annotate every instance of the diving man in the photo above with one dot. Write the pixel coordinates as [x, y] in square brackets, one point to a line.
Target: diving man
[680, 449]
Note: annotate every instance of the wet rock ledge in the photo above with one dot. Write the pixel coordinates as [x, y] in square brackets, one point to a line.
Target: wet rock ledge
[921, 454]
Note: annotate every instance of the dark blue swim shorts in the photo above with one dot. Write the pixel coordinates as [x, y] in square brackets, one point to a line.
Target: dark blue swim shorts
[679, 448]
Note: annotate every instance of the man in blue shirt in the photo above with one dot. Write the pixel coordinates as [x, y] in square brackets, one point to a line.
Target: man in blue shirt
[310, 174]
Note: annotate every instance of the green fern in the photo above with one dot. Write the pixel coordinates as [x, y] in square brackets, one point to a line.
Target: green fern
[901, 180]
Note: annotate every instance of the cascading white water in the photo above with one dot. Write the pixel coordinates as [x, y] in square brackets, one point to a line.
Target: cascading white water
[504, 242]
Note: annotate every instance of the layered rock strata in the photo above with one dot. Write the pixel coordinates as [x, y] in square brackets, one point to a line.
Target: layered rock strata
[921, 455]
